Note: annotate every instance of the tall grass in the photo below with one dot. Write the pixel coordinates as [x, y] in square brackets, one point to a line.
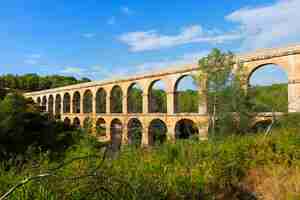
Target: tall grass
[216, 169]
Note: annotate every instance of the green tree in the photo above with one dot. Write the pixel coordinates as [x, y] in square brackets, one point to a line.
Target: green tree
[187, 101]
[158, 99]
[22, 127]
[272, 98]
[227, 100]
[135, 100]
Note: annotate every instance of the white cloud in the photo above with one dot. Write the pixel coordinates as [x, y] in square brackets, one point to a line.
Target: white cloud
[111, 21]
[95, 72]
[151, 40]
[257, 27]
[73, 70]
[121, 72]
[125, 10]
[88, 35]
[188, 58]
[32, 59]
[269, 26]
[36, 56]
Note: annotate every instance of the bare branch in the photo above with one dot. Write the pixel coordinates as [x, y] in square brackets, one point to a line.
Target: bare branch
[51, 173]
[24, 182]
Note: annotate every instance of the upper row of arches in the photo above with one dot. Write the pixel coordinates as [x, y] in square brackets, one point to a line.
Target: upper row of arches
[185, 95]
[185, 99]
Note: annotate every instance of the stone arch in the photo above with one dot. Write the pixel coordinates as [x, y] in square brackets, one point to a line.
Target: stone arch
[261, 125]
[67, 103]
[76, 122]
[185, 129]
[135, 98]
[87, 124]
[157, 97]
[116, 100]
[186, 95]
[268, 88]
[101, 128]
[134, 132]
[253, 69]
[38, 101]
[44, 104]
[101, 101]
[116, 130]
[67, 121]
[76, 102]
[88, 101]
[58, 103]
[157, 132]
[30, 99]
[51, 105]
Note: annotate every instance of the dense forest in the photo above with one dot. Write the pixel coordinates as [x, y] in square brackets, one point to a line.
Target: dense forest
[34, 82]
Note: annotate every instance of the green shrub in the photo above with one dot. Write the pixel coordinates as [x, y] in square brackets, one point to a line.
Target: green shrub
[23, 129]
[188, 169]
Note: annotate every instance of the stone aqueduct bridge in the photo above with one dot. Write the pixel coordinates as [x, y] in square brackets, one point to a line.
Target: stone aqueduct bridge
[287, 58]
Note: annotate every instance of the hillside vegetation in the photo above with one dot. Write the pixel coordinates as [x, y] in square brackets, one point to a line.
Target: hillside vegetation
[34, 82]
[247, 167]
[270, 98]
[60, 162]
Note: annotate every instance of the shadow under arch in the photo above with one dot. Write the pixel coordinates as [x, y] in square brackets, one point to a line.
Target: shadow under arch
[261, 126]
[51, 106]
[87, 125]
[67, 103]
[134, 132]
[76, 102]
[76, 122]
[38, 101]
[157, 132]
[67, 122]
[186, 129]
[116, 130]
[44, 104]
[58, 105]
[101, 127]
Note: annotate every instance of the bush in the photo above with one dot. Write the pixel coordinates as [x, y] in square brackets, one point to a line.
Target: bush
[289, 121]
[215, 169]
[23, 128]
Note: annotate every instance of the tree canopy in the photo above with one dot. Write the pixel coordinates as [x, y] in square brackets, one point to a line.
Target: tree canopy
[22, 127]
[34, 82]
[227, 101]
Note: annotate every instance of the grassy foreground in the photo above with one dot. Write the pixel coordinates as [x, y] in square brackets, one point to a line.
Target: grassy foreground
[235, 167]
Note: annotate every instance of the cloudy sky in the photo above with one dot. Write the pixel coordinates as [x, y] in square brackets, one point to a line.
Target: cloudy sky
[101, 40]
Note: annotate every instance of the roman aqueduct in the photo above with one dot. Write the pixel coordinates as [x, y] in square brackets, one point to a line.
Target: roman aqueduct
[91, 101]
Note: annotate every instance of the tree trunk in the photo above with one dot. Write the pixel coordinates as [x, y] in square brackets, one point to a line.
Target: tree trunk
[213, 123]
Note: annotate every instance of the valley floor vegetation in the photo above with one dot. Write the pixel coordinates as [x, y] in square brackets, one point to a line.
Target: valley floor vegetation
[45, 159]
[233, 167]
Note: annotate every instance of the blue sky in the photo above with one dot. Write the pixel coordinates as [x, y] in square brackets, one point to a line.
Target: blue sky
[119, 38]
